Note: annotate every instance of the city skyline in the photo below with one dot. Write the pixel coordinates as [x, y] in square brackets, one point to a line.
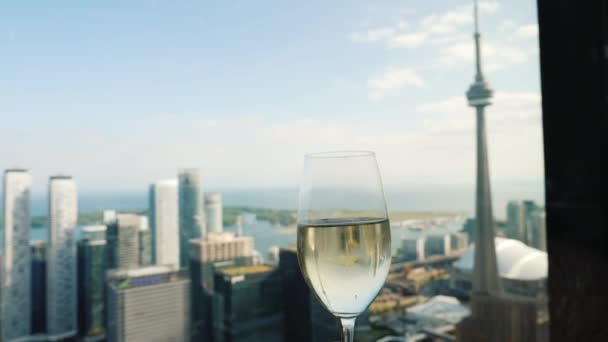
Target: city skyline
[200, 100]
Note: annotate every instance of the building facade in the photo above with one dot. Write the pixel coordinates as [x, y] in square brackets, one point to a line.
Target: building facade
[123, 241]
[163, 215]
[516, 221]
[191, 215]
[92, 265]
[61, 259]
[38, 287]
[437, 245]
[412, 249]
[537, 230]
[306, 319]
[459, 241]
[214, 211]
[218, 251]
[149, 304]
[16, 276]
[248, 305]
[145, 242]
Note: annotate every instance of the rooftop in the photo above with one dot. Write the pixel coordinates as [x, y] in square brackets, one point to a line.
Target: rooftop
[128, 220]
[60, 177]
[15, 170]
[292, 247]
[94, 229]
[139, 272]
[245, 270]
[440, 308]
[515, 260]
[167, 182]
[37, 243]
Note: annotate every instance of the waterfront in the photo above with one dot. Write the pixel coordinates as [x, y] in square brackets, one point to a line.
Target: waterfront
[267, 235]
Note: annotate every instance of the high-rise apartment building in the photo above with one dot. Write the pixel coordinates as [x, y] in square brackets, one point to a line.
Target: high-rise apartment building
[219, 250]
[61, 259]
[537, 230]
[123, 241]
[412, 248]
[214, 211]
[516, 221]
[306, 320]
[16, 276]
[223, 246]
[519, 215]
[92, 265]
[459, 241]
[248, 305]
[149, 304]
[109, 216]
[38, 287]
[163, 215]
[145, 242]
[191, 215]
[437, 245]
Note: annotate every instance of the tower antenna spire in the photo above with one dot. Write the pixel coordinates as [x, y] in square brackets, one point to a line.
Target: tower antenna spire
[477, 36]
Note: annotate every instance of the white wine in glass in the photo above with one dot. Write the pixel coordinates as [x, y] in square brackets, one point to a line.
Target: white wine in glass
[344, 239]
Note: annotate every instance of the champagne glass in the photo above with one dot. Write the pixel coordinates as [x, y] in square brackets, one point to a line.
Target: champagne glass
[344, 238]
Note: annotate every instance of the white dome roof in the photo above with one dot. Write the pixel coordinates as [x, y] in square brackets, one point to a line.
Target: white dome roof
[515, 260]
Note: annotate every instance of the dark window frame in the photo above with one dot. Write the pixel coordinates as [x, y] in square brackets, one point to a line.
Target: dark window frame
[574, 74]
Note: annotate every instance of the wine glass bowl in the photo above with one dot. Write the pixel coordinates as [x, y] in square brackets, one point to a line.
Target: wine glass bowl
[344, 240]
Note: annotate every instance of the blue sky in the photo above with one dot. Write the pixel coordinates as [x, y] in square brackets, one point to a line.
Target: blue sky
[123, 93]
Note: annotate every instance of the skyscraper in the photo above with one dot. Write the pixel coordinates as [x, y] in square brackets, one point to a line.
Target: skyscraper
[61, 259]
[213, 211]
[38, 287]
[190, 211]
[123, 241]
[149, 304]
[219, 250]
[144, 242]
[92, 262]
[164, 222]
[519, 216]
[306, 320]
[516, 221]
[412, 248]
[16, 276]
[247, 305]
[109, 216]
[537, 228]
[437, 244]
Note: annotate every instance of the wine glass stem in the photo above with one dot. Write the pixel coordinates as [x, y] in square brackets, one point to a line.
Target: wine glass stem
[348, 329]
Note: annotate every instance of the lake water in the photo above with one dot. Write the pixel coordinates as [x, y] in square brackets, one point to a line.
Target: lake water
[398, 198]
[267, 235]
[414, 198]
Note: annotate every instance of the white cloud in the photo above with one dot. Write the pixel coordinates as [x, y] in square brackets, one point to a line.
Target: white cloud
[527, 31]
[254, 151]
[507, 25]
[408, 40]
[373, 35]
[488, 7]
[392, 81]
[448, 22]
[494, 56]
[451, 21]
[435, 27]
[514, 134]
